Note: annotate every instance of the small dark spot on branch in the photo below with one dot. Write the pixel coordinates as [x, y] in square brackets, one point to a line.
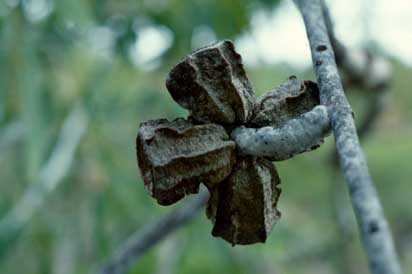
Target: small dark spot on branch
[318, 63]
[315, 147]
[321, 48]
[373, 227]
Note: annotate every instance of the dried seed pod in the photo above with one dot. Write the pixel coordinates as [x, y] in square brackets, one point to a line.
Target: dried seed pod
[175, 157]
[243, 207]
[212, 84]
[287, 101]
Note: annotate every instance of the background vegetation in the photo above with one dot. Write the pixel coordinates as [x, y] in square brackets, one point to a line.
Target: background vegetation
[56, 56]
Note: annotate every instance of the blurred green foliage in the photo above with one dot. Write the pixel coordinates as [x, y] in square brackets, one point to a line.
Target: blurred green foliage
[48, 65]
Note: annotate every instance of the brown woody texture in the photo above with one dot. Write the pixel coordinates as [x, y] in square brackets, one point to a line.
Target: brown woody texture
[288, 101]
[176, 156]
[212, 84]
[243, 209]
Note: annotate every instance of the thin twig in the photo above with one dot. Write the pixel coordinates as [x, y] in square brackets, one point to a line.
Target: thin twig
[360, 67]
[375, 232]
[52, 173]
[143, 240]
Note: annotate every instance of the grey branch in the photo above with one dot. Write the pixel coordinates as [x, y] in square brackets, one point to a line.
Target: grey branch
[295, 136]
[141, 241]
[51, 174]
[372, 74]
[375, 232]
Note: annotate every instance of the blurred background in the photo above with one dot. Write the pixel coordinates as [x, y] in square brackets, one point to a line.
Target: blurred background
[78, 76]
